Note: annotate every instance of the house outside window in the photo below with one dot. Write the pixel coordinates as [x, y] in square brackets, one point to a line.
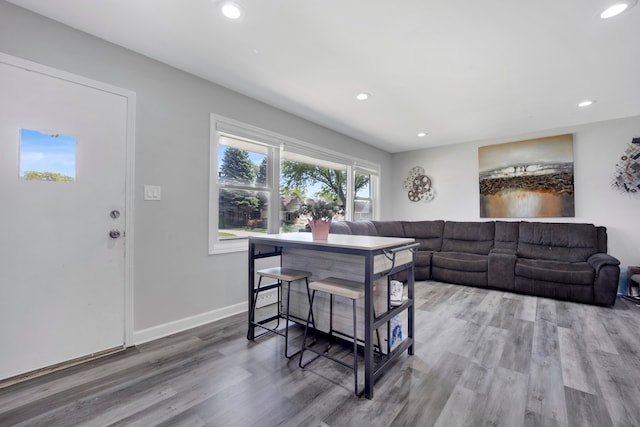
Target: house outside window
[363, 200]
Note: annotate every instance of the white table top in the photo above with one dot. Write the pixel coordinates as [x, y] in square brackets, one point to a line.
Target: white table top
[347, 241]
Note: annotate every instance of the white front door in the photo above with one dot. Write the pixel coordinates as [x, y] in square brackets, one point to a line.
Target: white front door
[62, 276]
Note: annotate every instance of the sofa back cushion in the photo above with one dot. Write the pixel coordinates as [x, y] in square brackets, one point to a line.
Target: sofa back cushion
[602, 239]
[339, 227]
[507, 235]
[566, 242]
[427, 233]
[362, 228]
[389, 228]
[470, 237]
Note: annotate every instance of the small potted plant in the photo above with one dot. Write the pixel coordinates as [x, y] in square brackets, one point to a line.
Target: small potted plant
[319, 214]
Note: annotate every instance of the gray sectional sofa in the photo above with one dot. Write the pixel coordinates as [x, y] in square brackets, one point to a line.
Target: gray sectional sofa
[566, 261]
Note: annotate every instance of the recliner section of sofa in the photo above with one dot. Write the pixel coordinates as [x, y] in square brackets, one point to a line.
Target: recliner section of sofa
[558, 260]
[549, 254]
[464, 257]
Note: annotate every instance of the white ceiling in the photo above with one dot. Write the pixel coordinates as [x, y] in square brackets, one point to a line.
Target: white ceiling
[460, 70]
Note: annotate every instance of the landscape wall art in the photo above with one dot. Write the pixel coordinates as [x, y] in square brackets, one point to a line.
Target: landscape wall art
[527, 179]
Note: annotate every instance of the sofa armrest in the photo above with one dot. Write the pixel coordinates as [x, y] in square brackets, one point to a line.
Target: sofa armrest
[501, 269]
[599, 260]
[605, 286]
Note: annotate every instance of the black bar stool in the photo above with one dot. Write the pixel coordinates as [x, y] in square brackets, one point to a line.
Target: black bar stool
[347, 289]
[282, 275]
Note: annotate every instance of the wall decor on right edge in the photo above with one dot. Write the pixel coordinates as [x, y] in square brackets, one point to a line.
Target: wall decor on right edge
[627, 178]
[527, 179]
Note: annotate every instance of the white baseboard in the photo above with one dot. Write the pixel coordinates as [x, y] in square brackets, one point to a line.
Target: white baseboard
[180, 325]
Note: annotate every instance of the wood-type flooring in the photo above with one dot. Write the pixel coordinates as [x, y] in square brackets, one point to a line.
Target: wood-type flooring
[482, 358]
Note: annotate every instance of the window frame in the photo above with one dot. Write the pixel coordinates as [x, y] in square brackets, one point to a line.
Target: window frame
[275, 144]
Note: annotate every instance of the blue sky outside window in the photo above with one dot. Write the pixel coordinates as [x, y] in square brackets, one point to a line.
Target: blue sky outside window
[47, 155]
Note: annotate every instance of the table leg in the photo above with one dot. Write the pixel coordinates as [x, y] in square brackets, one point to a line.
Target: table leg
[410, 310]
[251, 281]
[368, 328]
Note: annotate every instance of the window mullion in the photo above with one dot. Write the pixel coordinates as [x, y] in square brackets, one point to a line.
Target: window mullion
[273, 178]
[350, 173]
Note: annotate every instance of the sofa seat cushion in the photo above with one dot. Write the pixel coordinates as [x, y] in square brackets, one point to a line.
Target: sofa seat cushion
[578, 273]
[460, 261]
[459, 267]
[564, 291]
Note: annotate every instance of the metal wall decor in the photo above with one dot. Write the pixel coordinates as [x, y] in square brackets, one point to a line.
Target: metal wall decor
[418, 186]
[627, 178]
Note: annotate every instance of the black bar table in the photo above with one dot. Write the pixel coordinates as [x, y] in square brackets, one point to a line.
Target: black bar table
[368, 258]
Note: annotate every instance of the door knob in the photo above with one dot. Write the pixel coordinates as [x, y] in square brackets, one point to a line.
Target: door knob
[114, 234]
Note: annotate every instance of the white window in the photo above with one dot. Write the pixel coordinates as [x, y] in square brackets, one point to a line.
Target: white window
[259, 179]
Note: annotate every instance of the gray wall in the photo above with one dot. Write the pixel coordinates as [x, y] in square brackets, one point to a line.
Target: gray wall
[175, 278]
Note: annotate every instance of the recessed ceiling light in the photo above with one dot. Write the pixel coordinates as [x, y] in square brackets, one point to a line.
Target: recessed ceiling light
[421, 134]
[230, 10]
[617, 9]
[586, 103]
[362, 96]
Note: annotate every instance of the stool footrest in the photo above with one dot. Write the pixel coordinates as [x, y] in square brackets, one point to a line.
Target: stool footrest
[268, 330]
[324, 353]
[263, 288]
[266, 320]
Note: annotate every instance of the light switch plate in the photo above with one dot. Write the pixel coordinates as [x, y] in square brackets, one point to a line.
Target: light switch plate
[152, 192]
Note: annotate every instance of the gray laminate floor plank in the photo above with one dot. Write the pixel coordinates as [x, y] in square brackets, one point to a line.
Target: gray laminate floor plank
[619, 386]
[482, 357]
[507, 411]
[545, 390]
[587, 410]
[528, 308]
[451, 415]
[577, 369]
[517, 350]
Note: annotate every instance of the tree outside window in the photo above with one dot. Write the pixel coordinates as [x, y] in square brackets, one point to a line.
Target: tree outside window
[242, 207]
